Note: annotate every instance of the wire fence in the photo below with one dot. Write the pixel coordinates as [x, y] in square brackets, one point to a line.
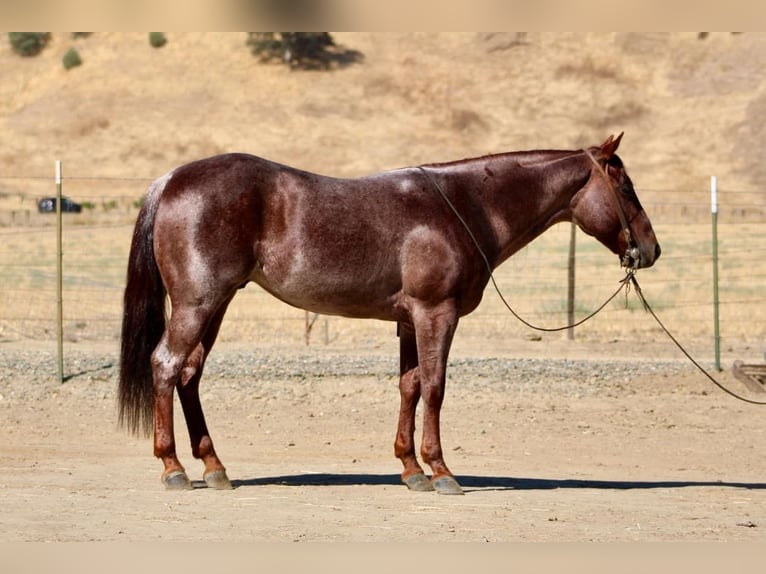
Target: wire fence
[96, 243]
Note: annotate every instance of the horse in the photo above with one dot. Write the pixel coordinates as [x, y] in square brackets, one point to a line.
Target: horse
[415, 246]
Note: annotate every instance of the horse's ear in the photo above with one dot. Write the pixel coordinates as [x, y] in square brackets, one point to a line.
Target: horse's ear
[609, 147]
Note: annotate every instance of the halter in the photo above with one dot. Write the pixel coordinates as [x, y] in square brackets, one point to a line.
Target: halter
[631, 251]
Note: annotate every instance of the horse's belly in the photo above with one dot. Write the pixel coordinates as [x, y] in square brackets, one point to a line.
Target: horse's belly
[348, 297]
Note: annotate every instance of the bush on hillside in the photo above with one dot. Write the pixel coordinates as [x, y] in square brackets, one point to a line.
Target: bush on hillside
[28, 43]
[157, 39]
[71, 59]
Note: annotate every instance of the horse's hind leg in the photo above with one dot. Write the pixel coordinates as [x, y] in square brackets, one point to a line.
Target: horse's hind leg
[183, 334]
[188, 392]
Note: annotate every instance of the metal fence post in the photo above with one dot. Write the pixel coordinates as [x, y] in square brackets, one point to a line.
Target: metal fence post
[714, 211]
[59, 277]
[571, 281]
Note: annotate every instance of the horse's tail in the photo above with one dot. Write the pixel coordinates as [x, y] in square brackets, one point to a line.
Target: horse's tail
[143, 320]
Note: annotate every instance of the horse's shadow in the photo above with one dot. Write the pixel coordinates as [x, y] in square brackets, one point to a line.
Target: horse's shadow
[489, 483]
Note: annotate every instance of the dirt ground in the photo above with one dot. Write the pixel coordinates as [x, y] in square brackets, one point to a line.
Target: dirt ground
[624, 449]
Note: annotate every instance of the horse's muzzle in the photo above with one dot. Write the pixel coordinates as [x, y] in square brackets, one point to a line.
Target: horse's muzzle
[635, 258]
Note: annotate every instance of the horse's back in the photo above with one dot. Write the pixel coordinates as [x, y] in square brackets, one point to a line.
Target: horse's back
[329, 244]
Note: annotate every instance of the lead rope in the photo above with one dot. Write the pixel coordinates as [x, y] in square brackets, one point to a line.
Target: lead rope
[625, 283]
[632, 278]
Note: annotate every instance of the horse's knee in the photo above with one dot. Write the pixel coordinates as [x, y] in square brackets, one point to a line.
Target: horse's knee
[409, 382]
[433, 394]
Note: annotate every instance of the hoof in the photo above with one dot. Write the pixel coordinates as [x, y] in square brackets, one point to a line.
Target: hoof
[447, 485]
[177, 480]
[217, 479]
[418, 482]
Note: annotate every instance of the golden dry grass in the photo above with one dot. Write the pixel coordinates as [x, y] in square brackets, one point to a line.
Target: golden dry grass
[690, 108]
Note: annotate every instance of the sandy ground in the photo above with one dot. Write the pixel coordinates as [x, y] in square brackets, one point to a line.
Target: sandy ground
[639, 451]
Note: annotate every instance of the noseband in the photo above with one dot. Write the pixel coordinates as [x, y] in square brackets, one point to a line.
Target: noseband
[632, 251]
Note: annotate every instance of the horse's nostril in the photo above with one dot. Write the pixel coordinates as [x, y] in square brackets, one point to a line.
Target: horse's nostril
[657, 252]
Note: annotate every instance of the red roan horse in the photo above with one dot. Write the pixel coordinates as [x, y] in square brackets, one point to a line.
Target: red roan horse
[389, 246]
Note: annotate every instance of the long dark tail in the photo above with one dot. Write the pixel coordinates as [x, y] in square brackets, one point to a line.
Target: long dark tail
[143, 320]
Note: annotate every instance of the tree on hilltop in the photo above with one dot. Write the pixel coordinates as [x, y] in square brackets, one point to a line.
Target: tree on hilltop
[305, 50]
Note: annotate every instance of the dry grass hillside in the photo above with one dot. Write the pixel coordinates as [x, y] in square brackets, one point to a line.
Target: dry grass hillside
[690, 107]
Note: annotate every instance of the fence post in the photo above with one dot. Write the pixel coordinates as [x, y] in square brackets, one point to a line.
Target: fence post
[714, 211]
[59, 277]
[571, 282]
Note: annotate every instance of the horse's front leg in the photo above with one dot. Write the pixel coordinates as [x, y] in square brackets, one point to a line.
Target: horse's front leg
[434, 329]
[409, 390]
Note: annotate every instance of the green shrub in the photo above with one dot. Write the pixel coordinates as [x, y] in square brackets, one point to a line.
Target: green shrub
[28, 43]
[71, 59]
[157, 39]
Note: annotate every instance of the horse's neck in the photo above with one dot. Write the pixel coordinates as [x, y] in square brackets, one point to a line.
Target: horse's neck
[531, 192]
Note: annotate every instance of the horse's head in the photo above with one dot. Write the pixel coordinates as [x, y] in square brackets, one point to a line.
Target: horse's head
[607, 208]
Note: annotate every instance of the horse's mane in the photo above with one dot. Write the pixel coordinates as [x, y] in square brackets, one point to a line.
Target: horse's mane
[523, 158]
